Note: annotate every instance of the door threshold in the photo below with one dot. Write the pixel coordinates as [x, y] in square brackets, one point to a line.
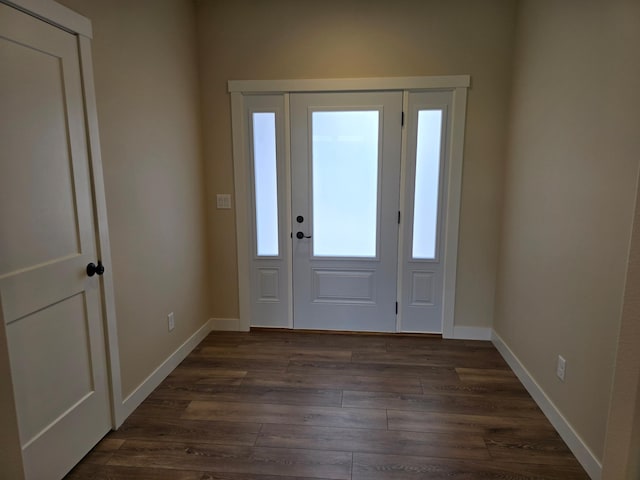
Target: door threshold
[343, 332]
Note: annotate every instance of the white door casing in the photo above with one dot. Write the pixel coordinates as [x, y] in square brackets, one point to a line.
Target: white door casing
[453, 88]
[52, 209]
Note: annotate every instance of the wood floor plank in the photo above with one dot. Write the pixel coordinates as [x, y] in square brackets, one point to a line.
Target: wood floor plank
[249, 394]
[283, 396]
[287, 414]
[464, 404]
[438, 344]
[235, 364]
[368, 466]
[215, 352]
[474, 388]
[430, 358]
[87, 471]
[370, 384]
[444, 403]
[115, 472]
[233, 459]
[180, 430]
[419, 421]
[183, 371]
[102, 453]
[547, 451]
[270, 352]
[382, 441]
[371, 370]
[162, 408]
[220, 381]
[486, 375]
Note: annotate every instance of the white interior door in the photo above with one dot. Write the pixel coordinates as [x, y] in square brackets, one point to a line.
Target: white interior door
[49, 306]
[345, 163]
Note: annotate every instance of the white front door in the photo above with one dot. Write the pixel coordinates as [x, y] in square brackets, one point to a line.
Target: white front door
[345, 171]
[50, 308]
[352, 205]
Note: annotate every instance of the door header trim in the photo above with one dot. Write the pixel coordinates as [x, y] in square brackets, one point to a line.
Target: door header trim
[55, 14]
[349, 84]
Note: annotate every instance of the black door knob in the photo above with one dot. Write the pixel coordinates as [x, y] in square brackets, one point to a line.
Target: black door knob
[301, 235]
[93, 269]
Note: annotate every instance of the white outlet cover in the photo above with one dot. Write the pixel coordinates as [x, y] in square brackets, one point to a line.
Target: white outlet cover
[561, 367]
[223, 200]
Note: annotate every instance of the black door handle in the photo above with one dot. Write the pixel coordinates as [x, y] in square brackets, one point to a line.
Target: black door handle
[301, 235]
[93, 269]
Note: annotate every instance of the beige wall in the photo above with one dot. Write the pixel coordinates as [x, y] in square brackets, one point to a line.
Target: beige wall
[569, 197]
[145, 65]
[280, 39]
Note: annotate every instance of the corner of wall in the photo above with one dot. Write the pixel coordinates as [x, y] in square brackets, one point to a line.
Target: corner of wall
[145, 388]
[576, 444]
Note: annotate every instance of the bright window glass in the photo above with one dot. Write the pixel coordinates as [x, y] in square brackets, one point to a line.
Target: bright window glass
[345, 183]
[266, 183]
[425, 205]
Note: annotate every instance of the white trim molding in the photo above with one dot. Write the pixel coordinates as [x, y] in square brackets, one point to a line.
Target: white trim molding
[349, 84]
[577, 446]
[102, 237]
[142, 391]
[472, 333]
[226, 325]
[55, 14]
[452, 219]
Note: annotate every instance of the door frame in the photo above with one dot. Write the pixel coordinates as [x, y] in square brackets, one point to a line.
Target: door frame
[74, 23]
[457, 84]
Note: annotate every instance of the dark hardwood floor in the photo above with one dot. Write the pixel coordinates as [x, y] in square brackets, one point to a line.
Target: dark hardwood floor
[270, 405]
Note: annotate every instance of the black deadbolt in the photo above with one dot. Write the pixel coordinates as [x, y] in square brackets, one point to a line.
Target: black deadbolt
[299, 219]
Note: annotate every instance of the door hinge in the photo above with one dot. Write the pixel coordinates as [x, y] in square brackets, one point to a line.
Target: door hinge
[396, 308]
[398, 217]
[402, 120]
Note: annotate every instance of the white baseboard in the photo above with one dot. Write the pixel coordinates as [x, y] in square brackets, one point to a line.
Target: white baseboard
[584, 455]
[472, 333]
[225, 324]
[143, 390]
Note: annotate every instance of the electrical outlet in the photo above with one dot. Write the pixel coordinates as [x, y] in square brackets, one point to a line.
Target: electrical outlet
[561, 367]
[223, 200]
[171, 321]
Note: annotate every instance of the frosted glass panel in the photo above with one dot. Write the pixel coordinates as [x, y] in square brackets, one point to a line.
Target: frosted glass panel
[345, 183]
[425, 206]
[266, 183]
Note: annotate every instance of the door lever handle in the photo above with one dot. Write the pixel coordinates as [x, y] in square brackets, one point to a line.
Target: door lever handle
[301, 235]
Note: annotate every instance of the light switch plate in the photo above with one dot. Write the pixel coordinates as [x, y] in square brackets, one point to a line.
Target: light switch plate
[223, 200]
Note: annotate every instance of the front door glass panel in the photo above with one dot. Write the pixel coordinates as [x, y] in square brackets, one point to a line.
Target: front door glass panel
[265, 183]
[345, 161]
[427, 181]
